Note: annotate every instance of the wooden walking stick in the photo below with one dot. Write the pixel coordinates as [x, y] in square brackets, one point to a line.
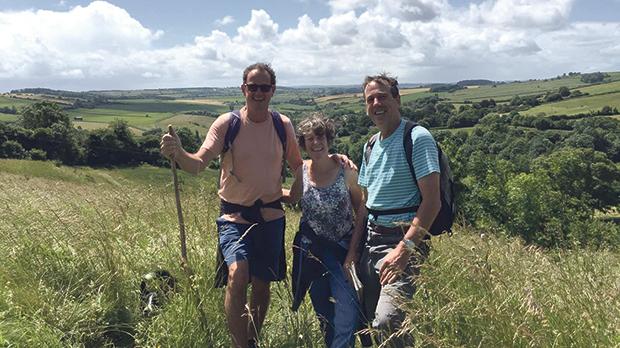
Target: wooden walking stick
[186, 268]
[177, 196]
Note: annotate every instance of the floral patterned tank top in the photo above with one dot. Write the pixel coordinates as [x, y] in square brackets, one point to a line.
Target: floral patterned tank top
[327, 210]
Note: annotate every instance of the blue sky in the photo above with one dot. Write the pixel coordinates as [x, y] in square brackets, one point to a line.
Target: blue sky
[120, 44]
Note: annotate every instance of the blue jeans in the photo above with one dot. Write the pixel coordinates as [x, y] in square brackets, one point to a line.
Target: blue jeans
[335, 303]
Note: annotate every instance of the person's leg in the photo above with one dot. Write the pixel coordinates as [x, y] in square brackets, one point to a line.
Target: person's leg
[235, 301]
[266, 242]
[389, 313]
[346, 306]
[372, 287]
[259, 304]
[236, 251]
[324, 308]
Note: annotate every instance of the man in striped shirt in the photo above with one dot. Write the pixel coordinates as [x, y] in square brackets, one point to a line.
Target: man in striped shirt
[396, 240]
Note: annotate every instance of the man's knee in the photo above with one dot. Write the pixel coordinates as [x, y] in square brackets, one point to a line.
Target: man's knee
[238, 275]
[388, 320]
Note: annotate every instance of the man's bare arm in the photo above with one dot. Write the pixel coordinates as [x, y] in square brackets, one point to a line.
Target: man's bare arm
[194, 163]
[396, 261]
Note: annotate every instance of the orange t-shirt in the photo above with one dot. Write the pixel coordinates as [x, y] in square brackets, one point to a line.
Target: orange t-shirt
[252, 167]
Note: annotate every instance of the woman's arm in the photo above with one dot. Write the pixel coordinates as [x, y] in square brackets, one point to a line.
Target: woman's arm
[359, 207]
[293, 195]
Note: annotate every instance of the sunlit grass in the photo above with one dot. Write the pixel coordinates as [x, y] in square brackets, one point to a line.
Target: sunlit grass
[74, 243]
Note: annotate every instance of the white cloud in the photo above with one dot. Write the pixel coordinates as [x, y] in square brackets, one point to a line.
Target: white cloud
[224, 21]
[549, 14]
[340, 29]
[77, 43]
[340, 6]
[102, 46]
[260, 28]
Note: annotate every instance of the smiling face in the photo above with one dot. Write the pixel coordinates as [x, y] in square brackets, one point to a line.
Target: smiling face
[316, 145]
[257, 79]
[315, 135]
[381, 106]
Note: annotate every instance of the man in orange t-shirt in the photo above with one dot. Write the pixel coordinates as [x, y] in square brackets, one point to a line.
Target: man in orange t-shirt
[251, 228]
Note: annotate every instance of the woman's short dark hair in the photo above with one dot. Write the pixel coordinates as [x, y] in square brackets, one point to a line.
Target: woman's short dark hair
[316, 124]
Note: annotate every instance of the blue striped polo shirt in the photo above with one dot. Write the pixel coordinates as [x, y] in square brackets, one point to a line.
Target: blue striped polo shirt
[387, 177]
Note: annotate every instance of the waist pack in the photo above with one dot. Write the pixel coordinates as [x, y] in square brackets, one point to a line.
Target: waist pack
[445, 218]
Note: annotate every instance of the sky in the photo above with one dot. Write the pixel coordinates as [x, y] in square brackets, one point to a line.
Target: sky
[121, 44]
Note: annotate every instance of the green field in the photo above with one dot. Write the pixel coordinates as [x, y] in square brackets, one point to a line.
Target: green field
[134, 106]
[611, 87]
[134, 118]
[17, 102]
[8, 117]
[198, 123]
[162, 106]
[509, 90]
[75, 242]
[577, 105]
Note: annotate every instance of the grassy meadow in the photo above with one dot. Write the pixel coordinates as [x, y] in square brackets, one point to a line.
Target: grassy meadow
[7, 117]
[592, 103]
[74, 243]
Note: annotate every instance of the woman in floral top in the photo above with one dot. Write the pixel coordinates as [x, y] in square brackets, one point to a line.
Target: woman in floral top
[331, 226]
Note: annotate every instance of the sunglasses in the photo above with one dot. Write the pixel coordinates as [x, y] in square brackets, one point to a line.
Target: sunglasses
[254, 87]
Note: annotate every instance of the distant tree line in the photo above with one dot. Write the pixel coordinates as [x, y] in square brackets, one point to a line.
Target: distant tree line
[45, 132]
[594, 77]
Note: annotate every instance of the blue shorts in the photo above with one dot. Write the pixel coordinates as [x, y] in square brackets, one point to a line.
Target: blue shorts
[262, 246]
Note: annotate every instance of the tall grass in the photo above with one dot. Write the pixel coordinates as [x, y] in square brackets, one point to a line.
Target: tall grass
[496, 292]
[73, 251]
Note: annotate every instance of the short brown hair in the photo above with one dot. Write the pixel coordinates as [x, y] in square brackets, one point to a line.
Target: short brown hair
[260, 66]
[384, 79]
[316, 124]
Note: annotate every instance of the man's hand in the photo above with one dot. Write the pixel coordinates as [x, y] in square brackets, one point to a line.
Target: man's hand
[170, 144]
[394, 264]
[344, 160]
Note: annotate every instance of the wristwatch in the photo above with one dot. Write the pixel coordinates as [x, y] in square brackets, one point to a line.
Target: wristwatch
[409, 244]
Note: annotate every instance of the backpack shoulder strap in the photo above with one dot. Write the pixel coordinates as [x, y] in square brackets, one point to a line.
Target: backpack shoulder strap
[234, 123]
[408, 144]
[368, 150]
[279, 125]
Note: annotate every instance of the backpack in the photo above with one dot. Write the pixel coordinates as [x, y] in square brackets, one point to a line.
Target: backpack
[234, 124]
[445, 217]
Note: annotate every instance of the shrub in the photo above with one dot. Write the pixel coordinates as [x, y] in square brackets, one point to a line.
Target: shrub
[12, 149]
[37, 155]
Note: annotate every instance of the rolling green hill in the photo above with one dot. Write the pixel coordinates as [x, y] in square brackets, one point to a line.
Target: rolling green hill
[165, 106]
[579, 105]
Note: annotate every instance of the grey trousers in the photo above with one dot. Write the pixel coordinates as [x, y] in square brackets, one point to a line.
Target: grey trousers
[383, 304]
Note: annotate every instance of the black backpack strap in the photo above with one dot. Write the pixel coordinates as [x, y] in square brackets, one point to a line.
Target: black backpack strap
[234, 123]
[368, 150]
[408, 144]
[279, 125]
[376, 213]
